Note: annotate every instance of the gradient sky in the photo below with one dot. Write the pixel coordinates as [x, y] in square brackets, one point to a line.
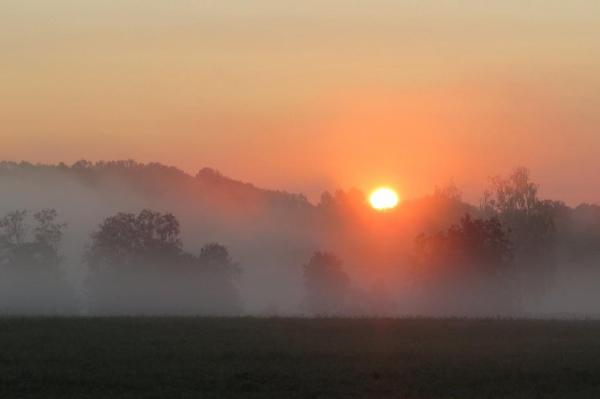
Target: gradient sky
[310, 95]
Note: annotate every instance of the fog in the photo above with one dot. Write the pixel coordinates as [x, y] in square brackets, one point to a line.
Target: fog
[514, 255]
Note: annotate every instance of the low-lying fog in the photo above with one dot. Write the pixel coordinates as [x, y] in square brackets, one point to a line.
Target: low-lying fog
[127, 238]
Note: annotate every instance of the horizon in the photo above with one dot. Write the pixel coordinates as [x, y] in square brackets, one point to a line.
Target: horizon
[315, 199]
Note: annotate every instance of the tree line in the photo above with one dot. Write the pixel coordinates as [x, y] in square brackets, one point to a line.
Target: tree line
[496, 257]
[137, 264]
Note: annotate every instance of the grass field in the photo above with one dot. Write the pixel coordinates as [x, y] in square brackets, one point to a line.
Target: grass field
[298, 358]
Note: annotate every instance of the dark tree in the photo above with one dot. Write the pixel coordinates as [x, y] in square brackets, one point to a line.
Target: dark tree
[137, 265]
[514, 200]
[30, 264]
[13, 228]
[215, 256]
[215, 274]
[47, 231]
[127, 239]
[474, 245]
[327, 284]
[468, 267]
[532, 225]
[26, 246]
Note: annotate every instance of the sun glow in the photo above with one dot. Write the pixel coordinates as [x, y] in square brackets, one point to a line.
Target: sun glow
[383, 198]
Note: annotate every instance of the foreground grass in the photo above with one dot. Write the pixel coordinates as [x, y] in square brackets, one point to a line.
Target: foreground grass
[298, 358]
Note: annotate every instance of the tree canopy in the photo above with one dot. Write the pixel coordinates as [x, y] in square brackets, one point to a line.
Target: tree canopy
[326, 283]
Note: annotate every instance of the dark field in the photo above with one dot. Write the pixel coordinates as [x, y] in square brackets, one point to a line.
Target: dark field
[298, 358]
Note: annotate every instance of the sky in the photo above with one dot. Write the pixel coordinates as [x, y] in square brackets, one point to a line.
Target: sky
[310, 95]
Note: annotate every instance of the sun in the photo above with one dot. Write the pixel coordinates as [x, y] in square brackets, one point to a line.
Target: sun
[383, 198]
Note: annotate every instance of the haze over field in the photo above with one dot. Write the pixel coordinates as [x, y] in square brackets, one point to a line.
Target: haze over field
[513, 253]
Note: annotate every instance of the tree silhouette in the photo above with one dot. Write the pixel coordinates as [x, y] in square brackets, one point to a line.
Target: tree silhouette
[127, 239]
[514, 200]
[137, 265]
[327, 284]
[13, 228]
[215, 256]
[474, 244]
[47, 231]
[215, 273]
[532, 225]
[30, 264]
[467, 265]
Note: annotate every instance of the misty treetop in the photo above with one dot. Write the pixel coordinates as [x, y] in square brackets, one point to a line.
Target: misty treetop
[326, 283]
[127, 239]
[31, 275]
[23, 244]
[482, 245]
[138, 265]
[514, 200]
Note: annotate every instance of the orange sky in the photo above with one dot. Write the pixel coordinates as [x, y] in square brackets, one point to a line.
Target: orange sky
[310, 96]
